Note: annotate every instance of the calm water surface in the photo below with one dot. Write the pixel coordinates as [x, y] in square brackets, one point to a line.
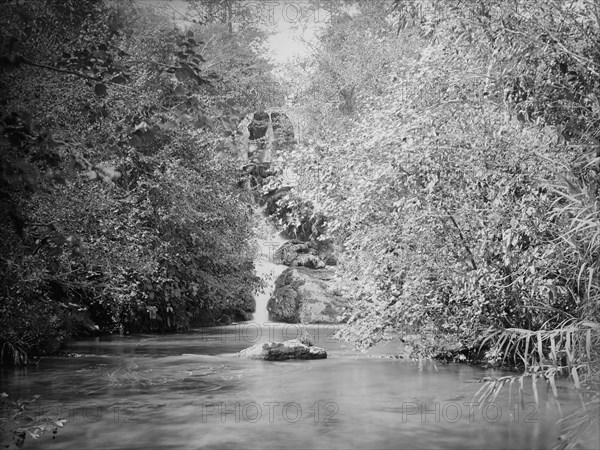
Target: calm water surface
[190, 391]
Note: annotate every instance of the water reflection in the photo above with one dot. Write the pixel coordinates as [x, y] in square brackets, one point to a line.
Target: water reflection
[189, 391]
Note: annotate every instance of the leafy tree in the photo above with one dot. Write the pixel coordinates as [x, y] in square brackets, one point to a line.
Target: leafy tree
[463, 188]
[120, 207]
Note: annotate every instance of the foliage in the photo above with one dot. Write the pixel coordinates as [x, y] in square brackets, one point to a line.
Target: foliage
[350, 58]
[463, 183]
[569, 349]
[120, 210]
[438, 193]
[297, 218]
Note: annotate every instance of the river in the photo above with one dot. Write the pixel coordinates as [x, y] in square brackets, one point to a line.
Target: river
[190, 391]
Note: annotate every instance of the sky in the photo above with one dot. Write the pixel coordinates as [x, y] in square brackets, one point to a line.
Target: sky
[290, 19]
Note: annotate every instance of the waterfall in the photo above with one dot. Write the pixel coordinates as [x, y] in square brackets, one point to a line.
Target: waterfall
[267, 134]
[268, 240]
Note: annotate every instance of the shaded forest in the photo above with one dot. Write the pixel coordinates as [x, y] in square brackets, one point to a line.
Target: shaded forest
[119, 192]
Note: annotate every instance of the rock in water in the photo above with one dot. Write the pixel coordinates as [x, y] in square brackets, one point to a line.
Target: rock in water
[279, 351]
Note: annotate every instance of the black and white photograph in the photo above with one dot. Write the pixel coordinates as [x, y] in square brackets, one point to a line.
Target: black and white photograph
[300, 224]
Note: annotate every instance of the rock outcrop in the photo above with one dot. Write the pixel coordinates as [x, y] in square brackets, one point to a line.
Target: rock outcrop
[296, 253]
[304, 295]
[279, 351]
[306, 292]
[258, 138]
[259, 125]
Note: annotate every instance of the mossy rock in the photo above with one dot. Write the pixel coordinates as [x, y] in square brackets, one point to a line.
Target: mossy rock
[304, 295]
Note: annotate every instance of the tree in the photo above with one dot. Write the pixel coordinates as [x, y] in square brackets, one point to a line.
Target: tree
[120, 203]
[463, 190]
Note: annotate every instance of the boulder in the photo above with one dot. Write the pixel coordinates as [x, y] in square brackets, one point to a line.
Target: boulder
[279, 351]
[259, 125]
[297, 253]
[304, 295]
[308, 260]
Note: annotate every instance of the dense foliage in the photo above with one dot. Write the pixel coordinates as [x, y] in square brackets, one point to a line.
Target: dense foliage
[454, 159]
[463, 187]
[456, 156]
[119, 205]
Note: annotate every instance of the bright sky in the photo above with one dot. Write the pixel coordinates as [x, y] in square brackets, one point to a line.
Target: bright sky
[292, 18]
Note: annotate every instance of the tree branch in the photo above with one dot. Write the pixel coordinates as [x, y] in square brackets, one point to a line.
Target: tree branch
[56, 69]
[462, 239]
[71, 72]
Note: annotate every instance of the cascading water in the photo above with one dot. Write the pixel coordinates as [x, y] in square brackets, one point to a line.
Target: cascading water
[263, 136]
[268, 240]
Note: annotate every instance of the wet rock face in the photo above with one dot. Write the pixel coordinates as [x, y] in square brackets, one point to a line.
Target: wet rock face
[279, 351]
[304, 295]
[254, 174]
[259, 125]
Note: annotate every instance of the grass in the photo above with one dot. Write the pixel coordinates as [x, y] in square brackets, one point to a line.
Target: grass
[570, 349]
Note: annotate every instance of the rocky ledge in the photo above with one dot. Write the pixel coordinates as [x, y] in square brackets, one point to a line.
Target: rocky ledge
[304, 295]
[279, 351]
